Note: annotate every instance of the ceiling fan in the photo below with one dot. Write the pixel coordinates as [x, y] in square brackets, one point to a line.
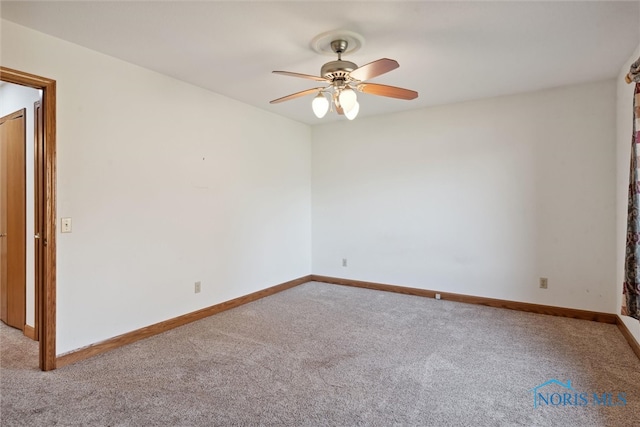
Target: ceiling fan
[344, 78]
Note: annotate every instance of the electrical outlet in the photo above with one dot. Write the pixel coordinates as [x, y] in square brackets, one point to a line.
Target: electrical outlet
[544, 282]
[437, 296]
[344, 262]
[197, 288]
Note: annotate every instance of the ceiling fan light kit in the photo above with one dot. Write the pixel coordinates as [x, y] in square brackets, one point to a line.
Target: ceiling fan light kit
[351, 114]
[320, 105]
[347, 98]
[345, 77]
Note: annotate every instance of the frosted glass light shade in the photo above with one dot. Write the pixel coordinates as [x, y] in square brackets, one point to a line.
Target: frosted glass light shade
[348, 99]
[320, 105]
[351, 114]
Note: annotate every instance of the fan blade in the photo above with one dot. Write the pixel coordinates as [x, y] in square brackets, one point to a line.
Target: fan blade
[303, 76]
[374, 69]
[390, 91]
[339, 110]
[296, 95]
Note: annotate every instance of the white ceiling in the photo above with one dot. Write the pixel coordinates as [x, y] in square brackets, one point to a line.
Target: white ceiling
[448, 51]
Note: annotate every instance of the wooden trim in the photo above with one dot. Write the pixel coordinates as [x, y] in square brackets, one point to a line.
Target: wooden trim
[490, 302]
[10, 75]
[30, 332]
[47, 294]
[47, 325]
[635, 346]
[38, 203]
[158, 328]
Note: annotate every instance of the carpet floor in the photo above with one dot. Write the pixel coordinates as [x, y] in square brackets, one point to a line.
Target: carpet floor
[321, 354]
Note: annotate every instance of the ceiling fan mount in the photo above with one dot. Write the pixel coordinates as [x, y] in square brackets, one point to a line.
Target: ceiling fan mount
[339, 46]
[345, 77]
[330, 42]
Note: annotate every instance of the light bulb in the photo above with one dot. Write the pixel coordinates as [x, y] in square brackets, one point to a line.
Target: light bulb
[348, 99]
[351, 114]
[320, 105]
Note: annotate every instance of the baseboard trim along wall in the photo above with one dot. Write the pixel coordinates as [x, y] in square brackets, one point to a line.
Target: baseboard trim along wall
[158, 328]
[491, 302]
[29, 332]
[635, 346]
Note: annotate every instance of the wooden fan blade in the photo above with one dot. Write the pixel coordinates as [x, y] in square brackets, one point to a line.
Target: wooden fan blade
[390, 91]
[303, 76]
[296, 95]
[374, 69]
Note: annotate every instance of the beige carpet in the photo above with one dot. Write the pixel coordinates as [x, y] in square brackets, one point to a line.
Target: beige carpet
[322, 354]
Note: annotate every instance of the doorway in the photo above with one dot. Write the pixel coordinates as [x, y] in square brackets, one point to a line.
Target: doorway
[45, 307]
[19, 174]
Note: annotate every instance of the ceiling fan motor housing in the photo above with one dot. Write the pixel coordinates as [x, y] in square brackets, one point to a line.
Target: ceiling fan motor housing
[337, 69]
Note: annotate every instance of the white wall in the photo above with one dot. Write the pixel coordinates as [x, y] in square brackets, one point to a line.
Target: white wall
[13, 98]
[623, 151]
[480, 198]
[167, 184]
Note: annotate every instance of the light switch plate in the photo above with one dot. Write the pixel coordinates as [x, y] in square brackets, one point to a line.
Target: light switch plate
[65, 225]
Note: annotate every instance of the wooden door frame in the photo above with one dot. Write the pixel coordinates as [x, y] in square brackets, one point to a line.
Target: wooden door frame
[38, 206]
[46, 294]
